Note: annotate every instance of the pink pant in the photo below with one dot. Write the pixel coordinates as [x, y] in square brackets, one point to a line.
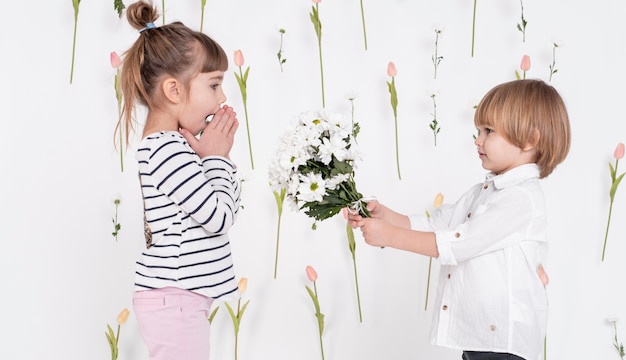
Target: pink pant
[173, 323]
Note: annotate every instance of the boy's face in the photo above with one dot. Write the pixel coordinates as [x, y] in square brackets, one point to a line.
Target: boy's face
[497, 154]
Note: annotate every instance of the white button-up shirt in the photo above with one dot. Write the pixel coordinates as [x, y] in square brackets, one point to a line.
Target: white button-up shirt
[491, 242]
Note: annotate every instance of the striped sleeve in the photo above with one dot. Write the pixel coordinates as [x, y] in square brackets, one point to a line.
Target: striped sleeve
[209, 197]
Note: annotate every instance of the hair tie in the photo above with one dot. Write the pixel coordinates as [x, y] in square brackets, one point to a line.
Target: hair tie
[148, 26]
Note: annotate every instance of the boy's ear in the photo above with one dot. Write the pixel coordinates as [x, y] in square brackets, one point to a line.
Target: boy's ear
[172, 90]
[533, 140]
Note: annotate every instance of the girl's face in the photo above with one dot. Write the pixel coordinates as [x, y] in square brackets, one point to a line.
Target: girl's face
[205, 97]
[497, 154]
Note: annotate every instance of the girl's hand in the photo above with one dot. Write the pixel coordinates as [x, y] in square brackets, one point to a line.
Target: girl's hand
[218, 136]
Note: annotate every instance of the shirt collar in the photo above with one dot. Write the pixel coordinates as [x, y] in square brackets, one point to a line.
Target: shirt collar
[513, 176]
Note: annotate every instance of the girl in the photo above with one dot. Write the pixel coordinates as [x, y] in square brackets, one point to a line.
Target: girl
[189, 184]
[491, 300]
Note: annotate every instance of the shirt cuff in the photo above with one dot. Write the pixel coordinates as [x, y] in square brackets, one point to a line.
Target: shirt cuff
[445, 239]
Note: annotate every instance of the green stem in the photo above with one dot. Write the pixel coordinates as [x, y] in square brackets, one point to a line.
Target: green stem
[119, 111]
[430, 263]
[320, 329]
[397, 151]
[201, 19]
[73, 48]
[473, 27]
[363, 22]
[117, 339]
[245, 109]
[237, 332]
[356, 280]
[545, 347]
[163, 10]
[606, 234]
[277, 241]
[319, 46]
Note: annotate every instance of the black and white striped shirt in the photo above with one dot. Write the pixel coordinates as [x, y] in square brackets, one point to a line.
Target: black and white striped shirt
[190, 204]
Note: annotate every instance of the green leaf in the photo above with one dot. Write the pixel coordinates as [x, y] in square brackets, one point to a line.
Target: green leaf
[280, 199]
[351, 242]
[75, 4]
[615, 185]
[517, 75]
[119, 6]
[317, 25]
[245, 75]
[213, 313]
[314, 298]
[243, 308]
[234, 318]
[613, 172]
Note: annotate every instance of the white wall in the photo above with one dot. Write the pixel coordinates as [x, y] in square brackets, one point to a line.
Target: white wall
[66, 277]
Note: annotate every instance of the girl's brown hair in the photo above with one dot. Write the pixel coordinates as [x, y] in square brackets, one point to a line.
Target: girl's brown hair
[172, 50]
[529, 112]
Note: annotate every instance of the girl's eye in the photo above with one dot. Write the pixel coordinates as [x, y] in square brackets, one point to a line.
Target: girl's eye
[215, 86]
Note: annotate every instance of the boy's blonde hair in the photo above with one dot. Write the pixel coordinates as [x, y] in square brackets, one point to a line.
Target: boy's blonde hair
[529, 112]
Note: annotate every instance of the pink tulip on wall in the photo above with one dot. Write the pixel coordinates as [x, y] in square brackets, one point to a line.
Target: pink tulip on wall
[524, 66]
[242, 80]
[116, 61]
[618, 154]
[391, 85]
[311, 274]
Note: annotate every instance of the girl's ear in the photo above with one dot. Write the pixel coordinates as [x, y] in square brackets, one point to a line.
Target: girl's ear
[172, 90]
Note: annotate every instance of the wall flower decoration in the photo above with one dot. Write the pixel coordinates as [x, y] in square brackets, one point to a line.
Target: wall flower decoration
[356, 128]
[615, 180]
[436, 58]
[116, 225]
[236, 317]
[524, 66]
[317, 26]
[202, 6]
[119, 7]
[115, 64]
[473, 27]
[553, 69]
[391, 85]
[521, 26]
[619, 346]
[279, 196]
[312, 276]
[112, 337]
[242, 79]
[363, 23]
[434, 124]
[213, 313]
[279, 54]
[75, 5]
[436, 203]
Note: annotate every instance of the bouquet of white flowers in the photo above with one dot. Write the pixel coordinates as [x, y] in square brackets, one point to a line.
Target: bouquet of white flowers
[315, 164]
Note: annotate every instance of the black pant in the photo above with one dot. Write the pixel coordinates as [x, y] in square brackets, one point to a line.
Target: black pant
[479, 355]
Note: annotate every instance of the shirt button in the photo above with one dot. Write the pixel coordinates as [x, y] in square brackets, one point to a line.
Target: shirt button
[492, 327]
[445, 307]
[469, 215]
[485, 186]
[449, 275]
[457, 235]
